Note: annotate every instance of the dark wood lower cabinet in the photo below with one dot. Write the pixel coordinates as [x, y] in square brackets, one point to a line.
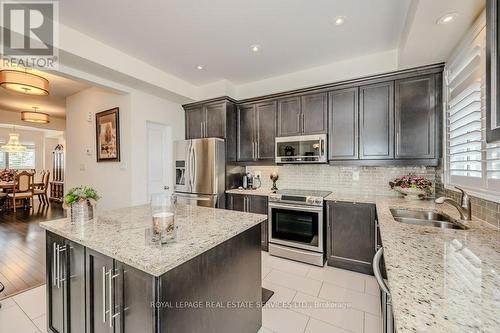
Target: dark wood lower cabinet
[65, 285]
[252, 204]
[351, 236]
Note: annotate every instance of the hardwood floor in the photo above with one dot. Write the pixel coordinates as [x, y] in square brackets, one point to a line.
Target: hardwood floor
[22, 247]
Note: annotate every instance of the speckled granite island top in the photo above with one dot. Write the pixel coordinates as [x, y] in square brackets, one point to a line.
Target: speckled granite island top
[441, 280]
[120, 234]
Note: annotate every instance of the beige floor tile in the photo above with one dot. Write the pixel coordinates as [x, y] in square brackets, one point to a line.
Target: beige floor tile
[265, 330]
[292, 281]
[32, 302]
[339, 277]
[288, 266]
[355, 299]
[348, 319]
[281, 294]
[371, 286]
[7, 303]
[41, 323]
[317, 326]
[265, 270]
[283, 320]
[373, 324]
[14, 320]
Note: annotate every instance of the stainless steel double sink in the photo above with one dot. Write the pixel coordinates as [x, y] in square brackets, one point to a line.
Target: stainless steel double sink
[425, 218]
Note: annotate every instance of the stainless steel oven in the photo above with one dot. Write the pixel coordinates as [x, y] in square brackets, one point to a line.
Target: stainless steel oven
[296, 227]
[301, 149]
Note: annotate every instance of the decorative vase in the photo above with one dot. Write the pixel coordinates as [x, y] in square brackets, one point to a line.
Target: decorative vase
[411, 193]
[81, 212]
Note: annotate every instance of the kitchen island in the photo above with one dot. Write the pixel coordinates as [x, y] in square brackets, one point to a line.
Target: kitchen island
[103, 276]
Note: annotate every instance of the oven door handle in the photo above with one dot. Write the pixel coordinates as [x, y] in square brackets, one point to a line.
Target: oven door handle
[296, 207]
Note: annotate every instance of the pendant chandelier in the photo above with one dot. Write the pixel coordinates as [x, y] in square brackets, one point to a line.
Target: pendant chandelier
[35, 117]
[13, 146]
[24, 82]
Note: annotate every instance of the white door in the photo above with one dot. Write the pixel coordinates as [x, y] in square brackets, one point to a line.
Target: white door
[160, 159]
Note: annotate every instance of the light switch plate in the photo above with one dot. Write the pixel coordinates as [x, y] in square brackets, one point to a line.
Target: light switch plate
[355, 175]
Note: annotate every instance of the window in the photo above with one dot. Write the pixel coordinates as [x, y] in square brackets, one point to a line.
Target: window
[470, 161]
[18, 161]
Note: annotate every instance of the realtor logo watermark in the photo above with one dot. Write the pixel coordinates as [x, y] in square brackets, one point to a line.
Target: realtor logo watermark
[29, 33]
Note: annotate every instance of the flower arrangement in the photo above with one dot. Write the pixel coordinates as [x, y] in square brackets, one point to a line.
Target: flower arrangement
[81, 194]
[412, 186]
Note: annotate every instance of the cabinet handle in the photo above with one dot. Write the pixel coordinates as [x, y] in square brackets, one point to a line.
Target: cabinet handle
[110, 298]
[248, 204]
[376, 235]
[303, 121]
[257, 148]
[201, 129]
[253, 150]
[112, 308]
[244, 204]
[206, 131]
[298, 122]
[104, 293]
[58, 267]
[60, 277]
[54, 265]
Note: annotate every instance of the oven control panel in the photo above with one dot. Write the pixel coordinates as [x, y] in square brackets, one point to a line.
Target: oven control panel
[304, 200]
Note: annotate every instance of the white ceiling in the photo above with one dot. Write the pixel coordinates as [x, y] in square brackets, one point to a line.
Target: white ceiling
[54, 104]
[177, 35]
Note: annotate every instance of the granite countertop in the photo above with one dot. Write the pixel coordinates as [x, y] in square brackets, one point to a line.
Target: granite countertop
[120, 234]
[260, 191]
[441, 280]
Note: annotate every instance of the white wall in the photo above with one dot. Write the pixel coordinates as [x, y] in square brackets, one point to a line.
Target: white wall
[125, 183]
[343, 70]
[111, 181]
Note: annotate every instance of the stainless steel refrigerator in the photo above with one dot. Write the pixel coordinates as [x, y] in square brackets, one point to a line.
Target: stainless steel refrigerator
[200, 172]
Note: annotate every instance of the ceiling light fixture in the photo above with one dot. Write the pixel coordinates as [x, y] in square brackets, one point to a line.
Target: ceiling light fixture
[24, 82]
[447, 18]
[199, 67]
[13, 146]
[35, 117]
[339, 20]
[255, 47]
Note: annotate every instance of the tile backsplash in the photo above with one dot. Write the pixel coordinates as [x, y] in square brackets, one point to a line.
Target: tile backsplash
[370, 180]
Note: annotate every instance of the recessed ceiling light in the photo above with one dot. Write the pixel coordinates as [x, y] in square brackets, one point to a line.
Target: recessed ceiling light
[199, 67]
[339, 20]
[255, 47]
[447, 18]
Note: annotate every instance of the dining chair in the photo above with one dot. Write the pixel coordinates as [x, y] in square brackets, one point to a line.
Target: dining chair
[23, 188]
[41, 192]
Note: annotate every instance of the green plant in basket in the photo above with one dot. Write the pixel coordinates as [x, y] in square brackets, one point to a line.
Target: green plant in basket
[81, 194]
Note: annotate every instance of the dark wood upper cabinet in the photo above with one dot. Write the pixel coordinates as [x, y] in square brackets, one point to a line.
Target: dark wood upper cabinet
[289, 117]
[265, 131]
[415, 117]
[195, 120]
[343, 124]
[246, 133]
[351, 236]
[215, 121]
[376, 121]
[314, 109]
[256, 131]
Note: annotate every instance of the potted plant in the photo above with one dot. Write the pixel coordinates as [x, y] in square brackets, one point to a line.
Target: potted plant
[412, 187]
[81, 201]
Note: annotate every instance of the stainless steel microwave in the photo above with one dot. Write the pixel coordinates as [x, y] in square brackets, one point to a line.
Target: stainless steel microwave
[301, 149]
